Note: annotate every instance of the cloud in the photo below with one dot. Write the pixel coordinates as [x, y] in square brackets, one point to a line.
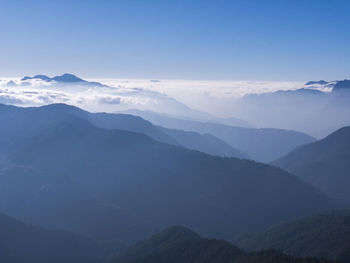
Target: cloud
[35, 92]
[169, 96]
[110, 100]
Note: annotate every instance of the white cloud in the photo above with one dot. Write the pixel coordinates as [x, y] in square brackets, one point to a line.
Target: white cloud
[168, 96]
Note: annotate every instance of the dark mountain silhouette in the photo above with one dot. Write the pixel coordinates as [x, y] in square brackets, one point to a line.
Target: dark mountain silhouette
[320, 82]
[66, 78]
[42, 77]
[324, 235]
[179, 244]
[21, 243]
[59, 170]
[341, 86]
[263, 145]
[324, 163]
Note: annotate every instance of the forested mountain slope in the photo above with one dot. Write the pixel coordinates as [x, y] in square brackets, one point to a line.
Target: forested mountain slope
[325, 235]
[325, 164]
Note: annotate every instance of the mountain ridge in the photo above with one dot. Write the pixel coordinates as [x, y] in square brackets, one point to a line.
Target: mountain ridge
[260, 144]
[325, 235]
[65, 78]
[178, 244]
[323, 163]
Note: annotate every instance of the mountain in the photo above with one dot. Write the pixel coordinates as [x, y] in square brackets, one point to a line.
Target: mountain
[206, 143]
[324, 164]
[343, 85]
[317, 108]
[21, 243]
[59, 170]
[302, 91]
[147, 114]
[317, 82]
[65, 79]
[190, 140]
[179, 244]
[325, 235]
[264, 145]
[41, 77]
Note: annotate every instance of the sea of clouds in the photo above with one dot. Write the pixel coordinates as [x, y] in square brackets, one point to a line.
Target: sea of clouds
[177, 97]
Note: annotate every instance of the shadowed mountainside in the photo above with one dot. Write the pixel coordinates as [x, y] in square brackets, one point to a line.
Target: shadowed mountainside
[21, 243]
[325, 164]
[178, 244]
[324, 235]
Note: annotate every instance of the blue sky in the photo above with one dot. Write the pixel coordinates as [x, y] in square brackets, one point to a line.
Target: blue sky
[237, 40]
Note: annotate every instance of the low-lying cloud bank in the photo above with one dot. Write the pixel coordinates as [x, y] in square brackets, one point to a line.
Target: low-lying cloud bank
[134, 93]
[264, 104]
[36, 92]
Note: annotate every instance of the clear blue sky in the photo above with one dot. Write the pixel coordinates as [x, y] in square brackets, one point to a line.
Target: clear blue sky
[238, 40]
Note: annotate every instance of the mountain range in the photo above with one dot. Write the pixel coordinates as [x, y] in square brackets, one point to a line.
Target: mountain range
[23, 243]
[263, 145]
[317, 109]
[65, 78]
[191, 140]
[62, 171]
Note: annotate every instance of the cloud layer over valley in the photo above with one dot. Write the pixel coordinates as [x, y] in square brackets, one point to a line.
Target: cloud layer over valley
[157, 95]
[301, 106]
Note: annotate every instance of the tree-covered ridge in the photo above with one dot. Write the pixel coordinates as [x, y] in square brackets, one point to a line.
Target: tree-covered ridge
[178, 244]
[324, 235]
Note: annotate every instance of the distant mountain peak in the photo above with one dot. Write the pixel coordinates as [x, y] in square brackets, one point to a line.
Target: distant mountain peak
[317, 82]
[42, 77]
[64, 78]
[342, 85]
[67, 77]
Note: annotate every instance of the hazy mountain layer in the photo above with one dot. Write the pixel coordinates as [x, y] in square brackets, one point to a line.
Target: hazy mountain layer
[317, 111]
[263, 145]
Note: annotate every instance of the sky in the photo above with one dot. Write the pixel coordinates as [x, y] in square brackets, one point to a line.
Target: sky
[205, 40]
